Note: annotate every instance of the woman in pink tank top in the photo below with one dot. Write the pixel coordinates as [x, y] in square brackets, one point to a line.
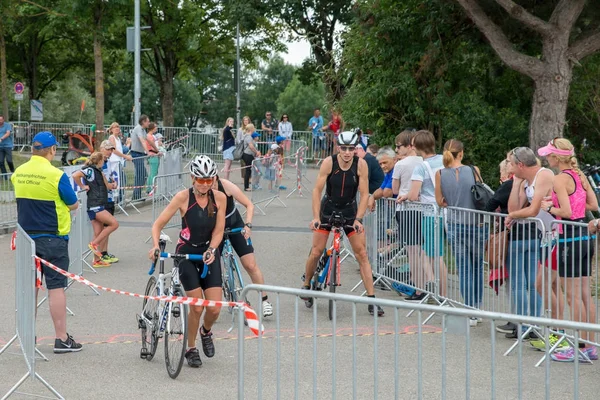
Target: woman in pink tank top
[572, 253]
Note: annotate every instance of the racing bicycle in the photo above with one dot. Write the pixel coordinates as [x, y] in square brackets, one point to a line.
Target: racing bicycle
[165, 319]
[323, 276]
[233, 283]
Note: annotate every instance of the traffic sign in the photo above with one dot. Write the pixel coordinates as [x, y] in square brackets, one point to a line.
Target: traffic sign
[19, 87]
[19, 96]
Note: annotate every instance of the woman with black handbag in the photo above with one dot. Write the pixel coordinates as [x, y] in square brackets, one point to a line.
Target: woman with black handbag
[467, 234]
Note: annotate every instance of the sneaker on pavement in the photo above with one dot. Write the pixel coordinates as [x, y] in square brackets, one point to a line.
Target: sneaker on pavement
[101, 264]
[568, 355]
[305, 298]
[473, 321]
[540, 344]
[267, 309]
[193, 358]
[94, 248]
[208, 346]
[113, 258]
[371, 309]
[506, 328]
[416, 298]
[68, 346]
[515, 335]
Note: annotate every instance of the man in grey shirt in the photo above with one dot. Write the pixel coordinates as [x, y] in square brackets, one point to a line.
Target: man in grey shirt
[138, 151]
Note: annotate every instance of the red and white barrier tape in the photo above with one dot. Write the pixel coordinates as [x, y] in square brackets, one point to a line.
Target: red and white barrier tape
[249, 313]
[135, 187]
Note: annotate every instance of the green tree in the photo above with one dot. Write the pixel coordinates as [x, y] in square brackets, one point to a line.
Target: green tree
[564, 44]
[298, 101]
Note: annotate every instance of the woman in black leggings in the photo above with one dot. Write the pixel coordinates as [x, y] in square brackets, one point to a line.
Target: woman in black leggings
[249, 153]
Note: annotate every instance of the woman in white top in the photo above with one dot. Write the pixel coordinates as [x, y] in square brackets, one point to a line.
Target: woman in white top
[285, 130]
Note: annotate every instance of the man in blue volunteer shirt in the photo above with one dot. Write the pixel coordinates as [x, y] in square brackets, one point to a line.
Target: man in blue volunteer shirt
[315, 124]
[6, 146]
[44, 200]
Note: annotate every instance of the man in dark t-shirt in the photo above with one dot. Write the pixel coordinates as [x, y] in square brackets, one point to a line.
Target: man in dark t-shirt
[376, 174]
[269, 128]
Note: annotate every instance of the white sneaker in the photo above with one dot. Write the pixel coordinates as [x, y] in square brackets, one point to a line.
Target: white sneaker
[267, 309]
[472, 321]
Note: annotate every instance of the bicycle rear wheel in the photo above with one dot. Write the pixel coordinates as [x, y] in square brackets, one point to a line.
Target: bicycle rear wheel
[228, 292]
[176, 336]
[332, 280]
[149, 322]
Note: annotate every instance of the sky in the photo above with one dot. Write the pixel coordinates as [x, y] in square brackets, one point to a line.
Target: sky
[297, 52]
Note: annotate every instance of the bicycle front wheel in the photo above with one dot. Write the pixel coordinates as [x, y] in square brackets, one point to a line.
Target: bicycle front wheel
[176, 336]
[332, 279]
[149, 322]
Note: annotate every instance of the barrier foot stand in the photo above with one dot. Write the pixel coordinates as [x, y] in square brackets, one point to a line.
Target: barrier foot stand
[294, 191]
[520, 340]
[7, 345]
[425, 300]
[273, 199]
[150, 237]
[134, 207]
[260, 209]
[357, 285]
[20, 151]
[381, 279]
[87, 264]
[42, 356]
[122, 209]
[37, 376]
[91, 287]
[553, 348]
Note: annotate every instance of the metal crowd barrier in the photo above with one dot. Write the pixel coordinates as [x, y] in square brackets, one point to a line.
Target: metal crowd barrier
[203, 142]
[467, 258]
[8, 203]
[25, 299]
[21, 135]
[57, 129]
[300, 175]
[267, 174]
[304, 355]
[165, 187]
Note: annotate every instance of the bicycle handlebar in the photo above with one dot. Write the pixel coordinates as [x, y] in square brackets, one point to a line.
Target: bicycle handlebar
[334, 226]
[175, 256]
[229, 231]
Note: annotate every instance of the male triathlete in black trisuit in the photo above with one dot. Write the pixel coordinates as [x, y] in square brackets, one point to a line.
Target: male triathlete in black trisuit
[345, 175]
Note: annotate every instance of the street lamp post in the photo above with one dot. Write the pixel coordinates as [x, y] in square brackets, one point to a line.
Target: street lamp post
[137, 65]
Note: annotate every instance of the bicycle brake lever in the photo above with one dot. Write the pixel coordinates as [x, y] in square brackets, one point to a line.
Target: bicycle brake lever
[204, 271]
[153, 266]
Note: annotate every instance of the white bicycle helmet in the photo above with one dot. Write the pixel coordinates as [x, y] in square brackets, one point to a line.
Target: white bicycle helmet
[347, 138]
[203, 167]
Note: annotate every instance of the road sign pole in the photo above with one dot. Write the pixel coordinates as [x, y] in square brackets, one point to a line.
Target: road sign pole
[19, 113]
[137, 64]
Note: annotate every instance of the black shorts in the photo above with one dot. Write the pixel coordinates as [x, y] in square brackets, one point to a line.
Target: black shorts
[190, 271]
[409, 227]
[55, 251]
[110, 207]
[574, 254]
[238, 242]
[348, 212]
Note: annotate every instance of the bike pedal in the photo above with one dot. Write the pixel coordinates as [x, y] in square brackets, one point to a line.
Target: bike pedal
[176, 312]
[141, 323]
[144, 353]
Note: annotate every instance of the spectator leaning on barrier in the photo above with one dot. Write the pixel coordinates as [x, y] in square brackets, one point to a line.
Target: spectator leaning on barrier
[572, 195]
[6, 146]
[531, 184]
[228, 146]
[269, 128]
[466, 232]
[44, 197]
[139, 150]
[376, 174]
[250, 152]
[422, 189]
[386, 158]
[286, 130]
[240, 138]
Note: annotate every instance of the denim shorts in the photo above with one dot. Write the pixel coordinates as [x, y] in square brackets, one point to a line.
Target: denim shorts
[93, 211]
[228, 154]
[55, 251]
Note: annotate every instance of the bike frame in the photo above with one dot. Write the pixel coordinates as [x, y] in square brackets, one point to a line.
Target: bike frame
[325, 275]
[231, 265]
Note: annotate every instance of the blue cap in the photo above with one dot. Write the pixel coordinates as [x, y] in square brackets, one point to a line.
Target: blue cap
[45, 140]
[255, 134]
[280, 139]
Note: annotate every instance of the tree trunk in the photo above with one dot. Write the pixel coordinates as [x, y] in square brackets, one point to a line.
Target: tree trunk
[551, 95]
[99, 77]
[3, 78]
[166, 97]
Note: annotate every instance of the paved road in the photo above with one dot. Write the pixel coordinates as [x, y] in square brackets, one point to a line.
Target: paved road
[109, 367]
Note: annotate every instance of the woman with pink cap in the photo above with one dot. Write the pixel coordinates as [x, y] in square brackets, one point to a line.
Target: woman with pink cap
[571, 197]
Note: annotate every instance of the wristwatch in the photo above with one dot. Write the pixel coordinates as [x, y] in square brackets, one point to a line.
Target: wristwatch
[248, 224]
[211, 249]
[548, 209]
[358, 219]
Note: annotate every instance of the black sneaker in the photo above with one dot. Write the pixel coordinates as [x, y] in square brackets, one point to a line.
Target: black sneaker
[381, 286]
[416, 298]
[305, 298]
[372, 310]
[207, 343]
[515, 335]
[68, 346]
[193, 358]
[509, 327]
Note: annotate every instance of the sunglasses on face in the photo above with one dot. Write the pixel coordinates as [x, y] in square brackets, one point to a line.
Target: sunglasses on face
[203, 181]
[514, 154]
[347, 148]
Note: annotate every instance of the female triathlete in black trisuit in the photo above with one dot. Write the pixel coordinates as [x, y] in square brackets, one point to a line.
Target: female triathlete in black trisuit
[202, 225]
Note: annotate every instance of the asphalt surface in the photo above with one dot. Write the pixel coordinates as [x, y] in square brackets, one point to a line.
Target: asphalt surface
[426, 363]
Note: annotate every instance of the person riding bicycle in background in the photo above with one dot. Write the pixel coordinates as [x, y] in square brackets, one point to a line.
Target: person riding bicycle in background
[202, 226]
[239, 242]
[345, 175]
